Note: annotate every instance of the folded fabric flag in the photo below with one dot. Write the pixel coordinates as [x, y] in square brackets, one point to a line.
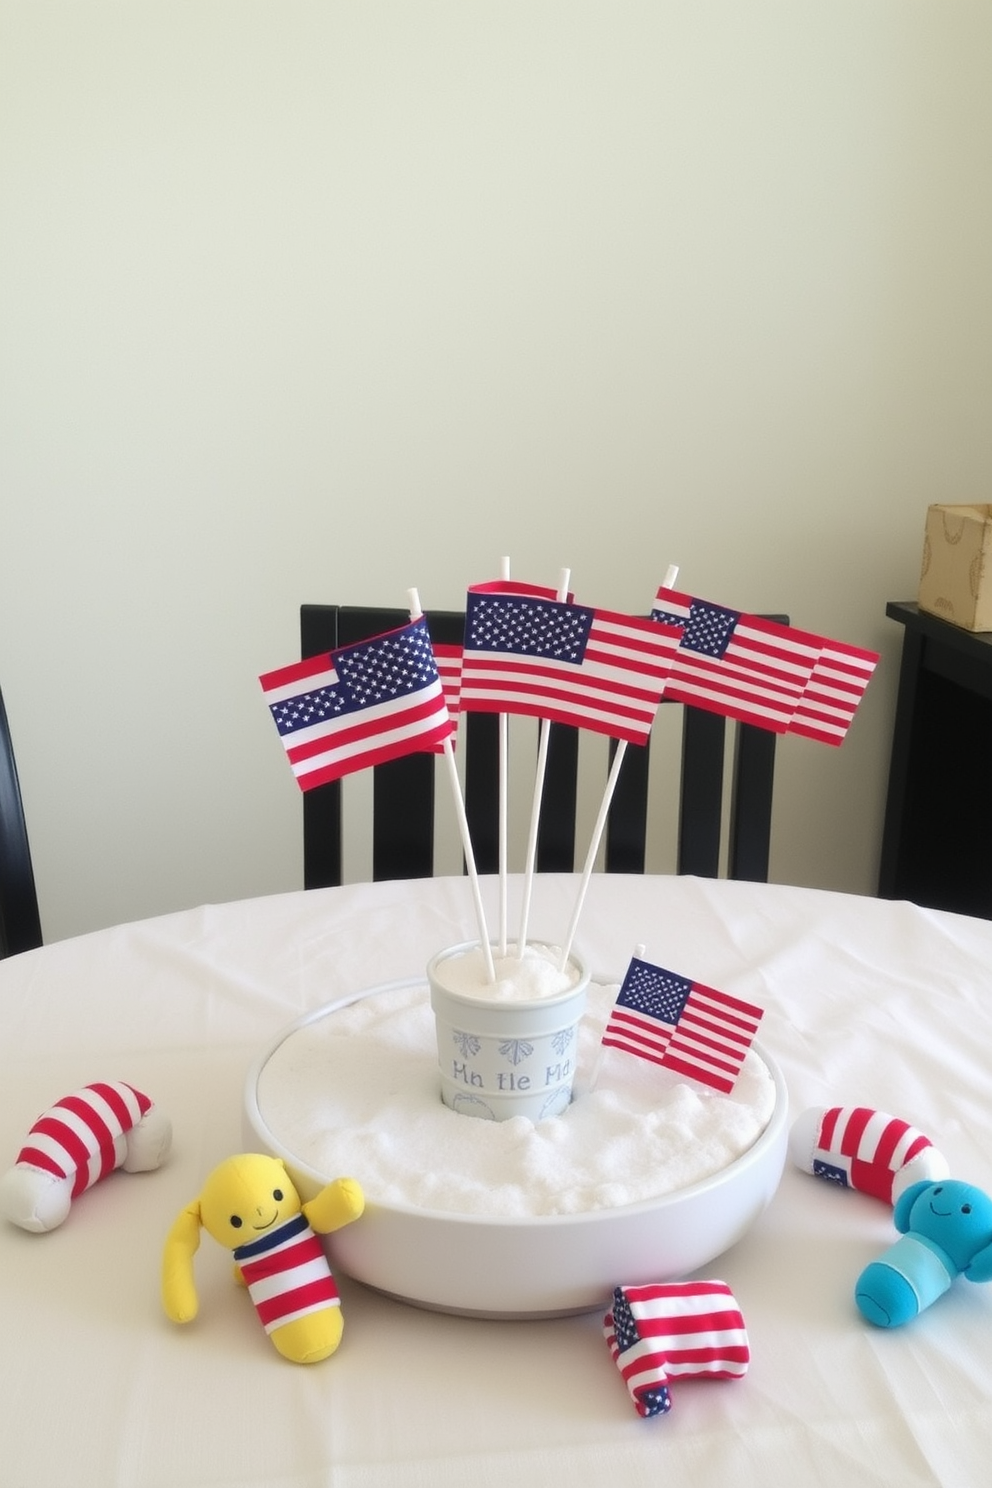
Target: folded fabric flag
[682, 1025]
[859, 1147]
[360, 705]
[674, 1330]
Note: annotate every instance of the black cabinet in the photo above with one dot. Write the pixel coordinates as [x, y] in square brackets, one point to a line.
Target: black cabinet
[937, 841]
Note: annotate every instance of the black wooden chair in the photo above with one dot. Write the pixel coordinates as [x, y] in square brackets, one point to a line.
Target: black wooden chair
[403, 789]
[20, 924]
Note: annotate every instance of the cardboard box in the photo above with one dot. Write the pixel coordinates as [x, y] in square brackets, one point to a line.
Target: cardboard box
[956, 578]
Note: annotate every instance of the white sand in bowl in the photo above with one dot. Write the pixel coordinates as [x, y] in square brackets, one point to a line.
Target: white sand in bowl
[528, 978]
[355, 1093]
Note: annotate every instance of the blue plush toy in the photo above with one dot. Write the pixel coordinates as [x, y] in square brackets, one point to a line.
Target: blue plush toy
[945, 1231]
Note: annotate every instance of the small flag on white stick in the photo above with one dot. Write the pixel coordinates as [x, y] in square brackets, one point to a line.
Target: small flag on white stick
[597, 1066]
[682, 1025]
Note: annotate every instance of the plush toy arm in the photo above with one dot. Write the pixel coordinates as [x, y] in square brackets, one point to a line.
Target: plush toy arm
[980, 1268]
[336, 1205]
[179, 1297]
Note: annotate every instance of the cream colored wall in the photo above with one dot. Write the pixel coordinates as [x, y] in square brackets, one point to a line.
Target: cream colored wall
[320, 301]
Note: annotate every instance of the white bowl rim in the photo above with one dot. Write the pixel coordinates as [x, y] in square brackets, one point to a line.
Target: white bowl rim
[769, 1137]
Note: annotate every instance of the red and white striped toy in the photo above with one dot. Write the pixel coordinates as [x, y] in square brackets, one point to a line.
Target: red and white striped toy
[674, 1330]
[74, 1144]
[859, 1147]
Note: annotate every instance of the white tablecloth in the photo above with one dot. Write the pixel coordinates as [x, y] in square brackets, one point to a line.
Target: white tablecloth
[866, 1002]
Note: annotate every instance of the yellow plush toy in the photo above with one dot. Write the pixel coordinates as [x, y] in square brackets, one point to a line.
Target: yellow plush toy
[250, 1205]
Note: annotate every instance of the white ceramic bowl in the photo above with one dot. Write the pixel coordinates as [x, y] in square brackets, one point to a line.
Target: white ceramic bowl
[544, 1266]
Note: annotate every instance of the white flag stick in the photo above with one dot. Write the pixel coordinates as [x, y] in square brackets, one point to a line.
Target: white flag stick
[671, 574]
[473, 875]
[535, 814]
[504, 736]
[504, 745]
[449, 755]
[597, 832]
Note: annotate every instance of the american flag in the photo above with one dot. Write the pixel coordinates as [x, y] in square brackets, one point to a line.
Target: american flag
[674, 1330]
[742, 666]
[682, 1025]
[858, 1147]
[448, 659]
[359, 705]
[837, 685]
[594, 669]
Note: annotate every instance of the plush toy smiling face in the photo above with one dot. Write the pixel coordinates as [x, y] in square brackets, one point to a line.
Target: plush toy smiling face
[245, 1198]
[956, 1216]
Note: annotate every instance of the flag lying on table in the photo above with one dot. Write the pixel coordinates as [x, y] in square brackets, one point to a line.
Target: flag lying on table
[360, 705]
[742, 666]
[837, 684]
[674, 1330]
[593, 669]
[682, 1025]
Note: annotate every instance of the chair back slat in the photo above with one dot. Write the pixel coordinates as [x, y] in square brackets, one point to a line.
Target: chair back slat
[627, 822]
[556, 827]
[751, 804]
[701, 799]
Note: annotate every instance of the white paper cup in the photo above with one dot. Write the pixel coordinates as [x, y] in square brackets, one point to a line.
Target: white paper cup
[504, 1056]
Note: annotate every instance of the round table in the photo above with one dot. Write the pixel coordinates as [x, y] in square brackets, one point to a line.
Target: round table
[866, 1001]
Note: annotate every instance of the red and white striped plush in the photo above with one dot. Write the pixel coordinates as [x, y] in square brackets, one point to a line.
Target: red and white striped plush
[75, 1143]
[287, 1274]
[674, 1330]
[82, 1135]
[860, 1147]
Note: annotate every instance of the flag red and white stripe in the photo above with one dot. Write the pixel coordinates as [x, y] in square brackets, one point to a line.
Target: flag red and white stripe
[448, 658]
[593, 669]
[740, 665]
[835, 688]
[682, 1025]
